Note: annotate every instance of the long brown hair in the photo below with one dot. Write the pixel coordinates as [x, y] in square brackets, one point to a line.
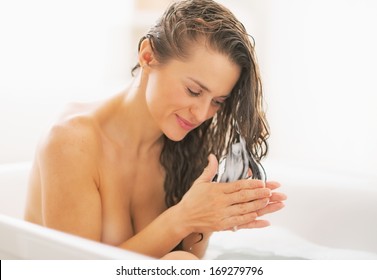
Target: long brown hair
[184, 23]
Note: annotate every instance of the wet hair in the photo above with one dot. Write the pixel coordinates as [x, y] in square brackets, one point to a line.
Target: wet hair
[184, 24]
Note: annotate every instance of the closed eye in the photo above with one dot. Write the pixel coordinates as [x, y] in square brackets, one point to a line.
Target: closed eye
[218, 101]
[193, 93]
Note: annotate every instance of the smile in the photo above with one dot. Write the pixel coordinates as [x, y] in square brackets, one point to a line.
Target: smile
[186, 125]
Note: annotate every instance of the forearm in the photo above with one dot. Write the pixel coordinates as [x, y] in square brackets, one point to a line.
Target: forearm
[160, 236]
[197, 243]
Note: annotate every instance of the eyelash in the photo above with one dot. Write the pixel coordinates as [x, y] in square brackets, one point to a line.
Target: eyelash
[217, 103]
[197, 94]
[193, 93]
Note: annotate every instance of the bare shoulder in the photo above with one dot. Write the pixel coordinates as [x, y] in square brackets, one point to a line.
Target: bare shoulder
[79, 131]
[73, 141]
[69, 178]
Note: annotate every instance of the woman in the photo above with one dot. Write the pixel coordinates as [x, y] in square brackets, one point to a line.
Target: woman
[136, 170]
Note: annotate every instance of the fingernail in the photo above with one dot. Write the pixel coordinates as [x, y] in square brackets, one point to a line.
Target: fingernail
[263, 183]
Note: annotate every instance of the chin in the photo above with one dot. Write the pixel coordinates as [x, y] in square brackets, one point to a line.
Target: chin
[176, 137]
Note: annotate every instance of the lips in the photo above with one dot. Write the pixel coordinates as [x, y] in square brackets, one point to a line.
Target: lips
[186, 125]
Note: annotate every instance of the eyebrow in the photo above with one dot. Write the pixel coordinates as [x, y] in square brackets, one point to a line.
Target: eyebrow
[200, 84]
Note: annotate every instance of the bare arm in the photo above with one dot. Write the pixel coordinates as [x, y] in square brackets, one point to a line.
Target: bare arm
[205, 208]
[71, 199]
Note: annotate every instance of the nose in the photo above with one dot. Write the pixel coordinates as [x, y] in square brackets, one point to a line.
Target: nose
[202, 110]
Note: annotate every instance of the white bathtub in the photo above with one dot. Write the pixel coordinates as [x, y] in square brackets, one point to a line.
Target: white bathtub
[327, 216]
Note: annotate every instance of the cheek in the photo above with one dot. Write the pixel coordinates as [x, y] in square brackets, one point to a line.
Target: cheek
[213, 111]
[156, 87]
[164, 93]
[162, 97]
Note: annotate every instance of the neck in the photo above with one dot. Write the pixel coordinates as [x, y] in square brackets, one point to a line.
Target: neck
[130, 123]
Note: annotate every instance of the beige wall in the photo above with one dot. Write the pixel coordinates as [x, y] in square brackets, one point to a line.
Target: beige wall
[317, 60]
[151, 5]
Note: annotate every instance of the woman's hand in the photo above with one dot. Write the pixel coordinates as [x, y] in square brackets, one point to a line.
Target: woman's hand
[275, 204]
[210, 206]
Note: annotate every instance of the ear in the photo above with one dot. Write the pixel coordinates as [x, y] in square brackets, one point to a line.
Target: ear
[146, 55]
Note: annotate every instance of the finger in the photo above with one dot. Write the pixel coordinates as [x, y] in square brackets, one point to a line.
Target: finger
[276, 197]
[230, 222]
[255, 224]
[210, 171]
[270, 208]
[240, 185]
[248, 207]
[272, 185]
[248, 195]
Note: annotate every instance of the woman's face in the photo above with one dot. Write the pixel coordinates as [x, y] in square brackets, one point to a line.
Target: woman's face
[181, 95]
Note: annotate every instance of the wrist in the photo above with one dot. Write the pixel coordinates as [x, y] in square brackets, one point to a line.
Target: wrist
[178, 221]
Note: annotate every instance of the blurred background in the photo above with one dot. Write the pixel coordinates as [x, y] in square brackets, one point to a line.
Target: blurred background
[317, 58]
